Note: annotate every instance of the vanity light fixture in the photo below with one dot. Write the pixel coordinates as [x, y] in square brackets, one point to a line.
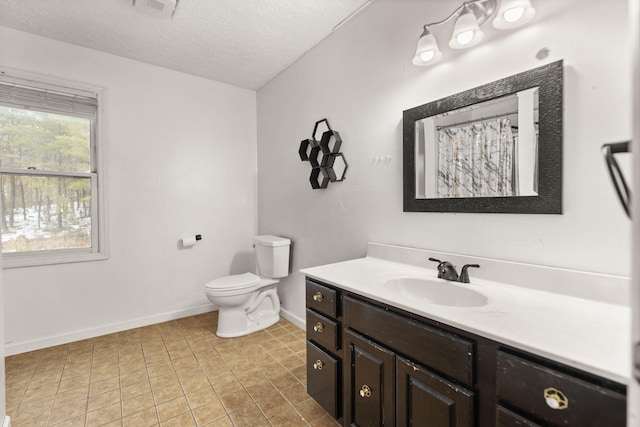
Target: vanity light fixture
[466, 31]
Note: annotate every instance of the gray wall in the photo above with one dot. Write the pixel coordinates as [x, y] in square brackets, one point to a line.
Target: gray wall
[361, 79]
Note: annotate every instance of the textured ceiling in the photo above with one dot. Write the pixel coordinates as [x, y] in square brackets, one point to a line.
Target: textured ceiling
[241, 42]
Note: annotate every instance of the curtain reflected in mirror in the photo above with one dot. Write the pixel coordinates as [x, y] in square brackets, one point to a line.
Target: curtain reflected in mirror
[488, 149]
[495, 148]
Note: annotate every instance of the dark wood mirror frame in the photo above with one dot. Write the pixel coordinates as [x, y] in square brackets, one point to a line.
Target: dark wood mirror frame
[549, 80]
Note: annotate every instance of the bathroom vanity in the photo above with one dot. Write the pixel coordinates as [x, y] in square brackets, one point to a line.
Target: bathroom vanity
[380, 353]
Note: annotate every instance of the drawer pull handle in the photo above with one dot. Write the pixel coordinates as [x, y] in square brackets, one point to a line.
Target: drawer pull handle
[318, 296]
[318, 365]
[555, 399]
[318, 327]
[365, 391]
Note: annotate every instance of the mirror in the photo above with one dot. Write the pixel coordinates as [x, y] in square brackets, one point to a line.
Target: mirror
[494, 148]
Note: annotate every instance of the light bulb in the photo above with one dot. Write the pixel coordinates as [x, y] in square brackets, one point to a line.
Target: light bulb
[465, 37]
[513, 15]
[428, 55]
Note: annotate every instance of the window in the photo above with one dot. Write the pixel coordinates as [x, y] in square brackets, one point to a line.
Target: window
[49, 174]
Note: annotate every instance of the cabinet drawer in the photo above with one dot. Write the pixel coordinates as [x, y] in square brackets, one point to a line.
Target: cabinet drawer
[442, 351]
[506, 418]
[323, 330]
[322, 298]
[322, 379]
[556, 397]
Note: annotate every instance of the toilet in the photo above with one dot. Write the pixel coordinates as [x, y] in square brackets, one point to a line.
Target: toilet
[249, 303]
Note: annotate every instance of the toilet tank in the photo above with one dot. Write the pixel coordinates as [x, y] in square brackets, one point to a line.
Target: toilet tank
[272, 255]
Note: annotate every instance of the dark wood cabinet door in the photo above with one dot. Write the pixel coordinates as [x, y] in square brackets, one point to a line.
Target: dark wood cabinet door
[424, 399]
[370, 382]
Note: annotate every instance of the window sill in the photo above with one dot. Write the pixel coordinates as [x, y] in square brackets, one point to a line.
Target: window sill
[13, 260]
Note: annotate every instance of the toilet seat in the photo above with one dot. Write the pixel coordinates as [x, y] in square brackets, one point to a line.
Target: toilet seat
[234, 284]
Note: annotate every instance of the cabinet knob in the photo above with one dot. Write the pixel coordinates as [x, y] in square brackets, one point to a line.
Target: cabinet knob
[318, 296]
[365, 391]
[555, 399]
[318, 365]
[318, 327]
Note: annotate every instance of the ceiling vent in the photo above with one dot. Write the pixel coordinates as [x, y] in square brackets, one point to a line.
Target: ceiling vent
[160, 8]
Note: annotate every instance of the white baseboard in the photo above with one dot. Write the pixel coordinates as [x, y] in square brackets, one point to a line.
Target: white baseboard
[82, 334]
[6, 422]
[299, 322]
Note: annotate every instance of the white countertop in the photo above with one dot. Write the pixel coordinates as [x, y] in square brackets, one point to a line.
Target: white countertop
[583, 333]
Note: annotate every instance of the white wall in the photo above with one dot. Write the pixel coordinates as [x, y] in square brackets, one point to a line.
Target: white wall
[181, 159]
[633, 388]
[361, 79]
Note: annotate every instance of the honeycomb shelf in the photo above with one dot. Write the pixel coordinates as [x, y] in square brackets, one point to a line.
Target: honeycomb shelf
[322, 151]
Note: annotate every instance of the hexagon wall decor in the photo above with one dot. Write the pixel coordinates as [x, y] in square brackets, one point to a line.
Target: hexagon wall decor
[322, 151]
[336, 167]
[305, 149]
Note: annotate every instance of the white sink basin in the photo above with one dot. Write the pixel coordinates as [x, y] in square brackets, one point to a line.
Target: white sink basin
[436, 291]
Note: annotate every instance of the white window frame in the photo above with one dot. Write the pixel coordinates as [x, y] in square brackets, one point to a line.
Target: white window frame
[99, 248]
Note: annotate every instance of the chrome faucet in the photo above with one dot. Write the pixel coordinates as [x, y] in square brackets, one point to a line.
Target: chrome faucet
[447, 271]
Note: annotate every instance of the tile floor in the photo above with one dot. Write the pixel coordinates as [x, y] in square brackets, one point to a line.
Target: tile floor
[177, 373]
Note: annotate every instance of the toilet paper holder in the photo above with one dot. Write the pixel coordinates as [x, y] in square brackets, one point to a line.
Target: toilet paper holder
[189, 241]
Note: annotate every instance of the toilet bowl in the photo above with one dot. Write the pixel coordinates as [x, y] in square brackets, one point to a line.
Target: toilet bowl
[248, 302]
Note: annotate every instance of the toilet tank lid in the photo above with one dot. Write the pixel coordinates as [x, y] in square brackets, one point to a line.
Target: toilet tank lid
[268, 240]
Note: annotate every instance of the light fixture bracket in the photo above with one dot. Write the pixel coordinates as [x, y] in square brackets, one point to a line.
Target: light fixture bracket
[483, 9]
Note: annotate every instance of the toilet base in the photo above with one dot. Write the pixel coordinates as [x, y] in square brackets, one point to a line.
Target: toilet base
[235, 332]
[262, 311]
